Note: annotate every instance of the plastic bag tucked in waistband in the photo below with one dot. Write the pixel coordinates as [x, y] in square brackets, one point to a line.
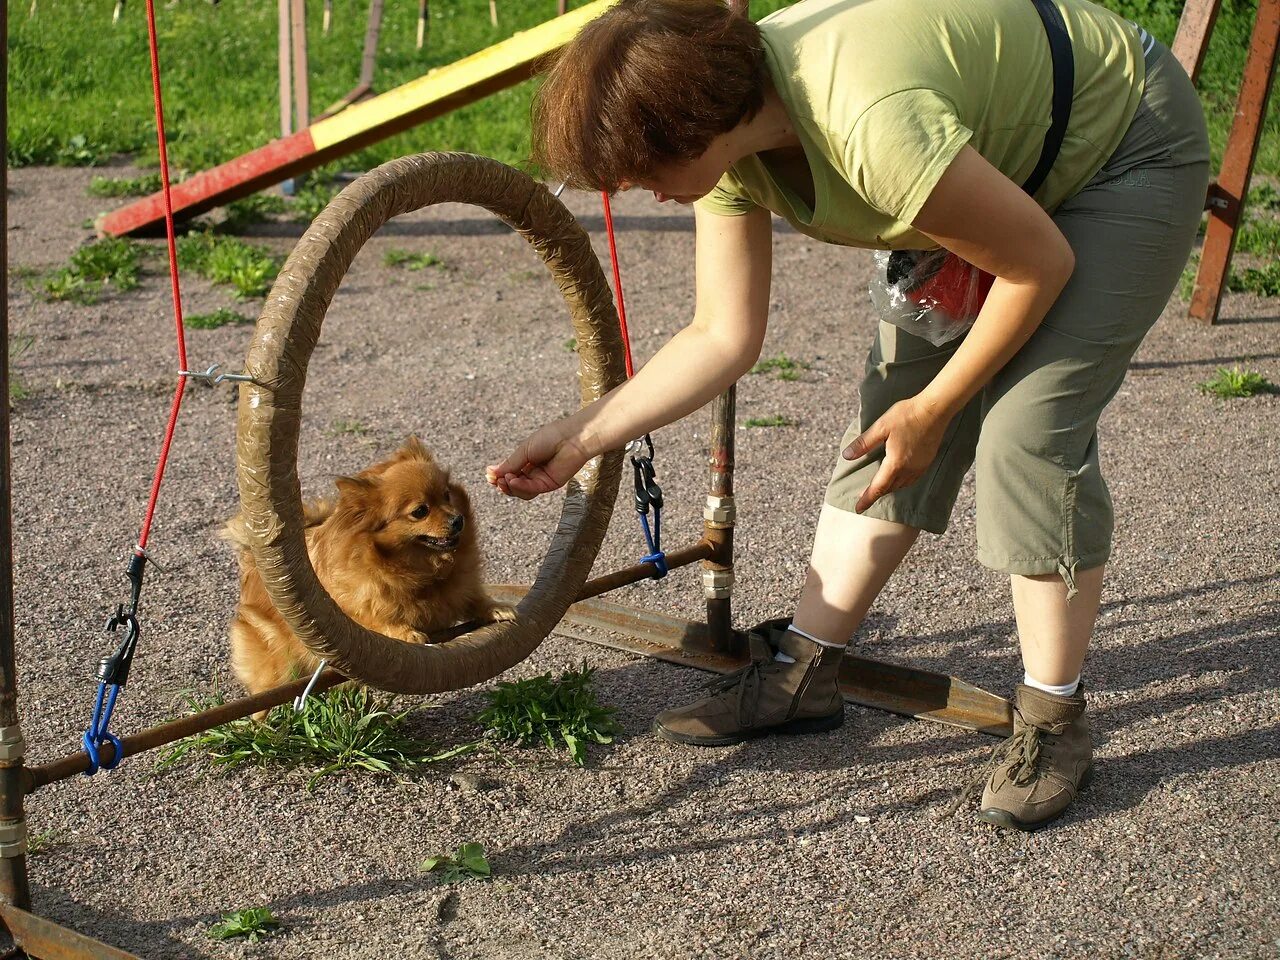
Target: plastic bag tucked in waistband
[932, 294]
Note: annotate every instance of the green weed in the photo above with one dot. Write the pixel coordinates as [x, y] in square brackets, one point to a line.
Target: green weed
[348, 427]
[1261, 237]
[312, 198]
[18, 345]
[571, 344]
[340, 730]
[1228, 384]
[142, 186]
[66, 287]
[411, 261]
[550, 711]
[1262, 196]
[777, 420]
[113, 260]
[786, 367]
[43, 842]
[223, 316]
[1264, 281]
[249, 210]
[468, 862]
[253, 924]
[249, 269]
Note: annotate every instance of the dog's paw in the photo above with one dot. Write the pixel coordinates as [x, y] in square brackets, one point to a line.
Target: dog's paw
[501, 613]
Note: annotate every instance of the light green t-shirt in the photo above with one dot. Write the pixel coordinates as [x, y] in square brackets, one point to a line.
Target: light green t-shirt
[884, 93]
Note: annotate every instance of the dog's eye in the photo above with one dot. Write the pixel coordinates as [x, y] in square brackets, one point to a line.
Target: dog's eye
[420, 512]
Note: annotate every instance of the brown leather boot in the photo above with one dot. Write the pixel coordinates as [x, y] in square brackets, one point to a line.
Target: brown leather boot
[1040, 769]
[766, 696]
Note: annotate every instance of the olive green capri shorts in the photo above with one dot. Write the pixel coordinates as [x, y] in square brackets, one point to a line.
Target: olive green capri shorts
[1043, 506]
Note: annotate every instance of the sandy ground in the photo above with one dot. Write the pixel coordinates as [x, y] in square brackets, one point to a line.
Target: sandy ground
[820, 847]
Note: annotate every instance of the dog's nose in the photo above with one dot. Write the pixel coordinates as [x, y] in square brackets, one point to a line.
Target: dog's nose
[456, 525]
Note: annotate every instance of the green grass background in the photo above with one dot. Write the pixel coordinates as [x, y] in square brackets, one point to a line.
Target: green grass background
[80, 90]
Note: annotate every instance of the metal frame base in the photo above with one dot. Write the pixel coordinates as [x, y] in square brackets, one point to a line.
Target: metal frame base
[897, 688]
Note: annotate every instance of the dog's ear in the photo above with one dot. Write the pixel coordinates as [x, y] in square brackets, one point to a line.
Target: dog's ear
[357, 501]
[354, 488]
[412, 449]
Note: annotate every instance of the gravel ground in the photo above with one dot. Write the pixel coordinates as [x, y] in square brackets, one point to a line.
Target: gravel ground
[828, 846]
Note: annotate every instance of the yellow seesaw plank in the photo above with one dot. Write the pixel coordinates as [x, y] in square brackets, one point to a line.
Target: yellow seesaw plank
[457, 77]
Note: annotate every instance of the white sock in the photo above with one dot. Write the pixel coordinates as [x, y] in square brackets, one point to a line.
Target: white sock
[1063, 690]
[787, 658]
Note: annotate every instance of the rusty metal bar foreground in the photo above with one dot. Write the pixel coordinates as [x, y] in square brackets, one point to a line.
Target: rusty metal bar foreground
[47, 940]
[907, 691]
[31, 779]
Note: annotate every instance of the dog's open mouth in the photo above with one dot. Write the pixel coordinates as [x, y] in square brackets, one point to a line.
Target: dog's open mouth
[439, 543]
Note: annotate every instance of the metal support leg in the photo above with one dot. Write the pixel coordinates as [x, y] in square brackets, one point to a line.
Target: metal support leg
[718, 520]
[13, 825]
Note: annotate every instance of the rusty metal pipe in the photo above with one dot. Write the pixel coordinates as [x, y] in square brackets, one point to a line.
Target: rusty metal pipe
[702, 550]
[34, 778]
[158, 736]
[718, 522]
[14, 888]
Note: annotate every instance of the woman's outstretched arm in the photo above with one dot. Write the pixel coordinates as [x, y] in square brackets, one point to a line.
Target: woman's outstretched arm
[733, 263]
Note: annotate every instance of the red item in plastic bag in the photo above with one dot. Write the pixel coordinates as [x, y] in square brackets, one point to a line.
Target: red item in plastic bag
[950, 289]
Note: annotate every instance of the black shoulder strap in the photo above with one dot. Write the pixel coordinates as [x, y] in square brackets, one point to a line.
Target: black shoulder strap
[1064, 82]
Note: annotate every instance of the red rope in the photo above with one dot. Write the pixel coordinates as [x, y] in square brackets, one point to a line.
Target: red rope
[617, 282]
[173, 278]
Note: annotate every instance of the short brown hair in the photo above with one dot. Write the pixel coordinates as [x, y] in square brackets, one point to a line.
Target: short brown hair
[648, 82]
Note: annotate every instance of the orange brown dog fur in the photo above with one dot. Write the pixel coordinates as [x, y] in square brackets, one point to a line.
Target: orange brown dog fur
[397, 549]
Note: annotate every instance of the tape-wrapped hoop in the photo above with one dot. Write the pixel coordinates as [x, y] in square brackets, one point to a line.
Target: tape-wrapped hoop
[270, 414]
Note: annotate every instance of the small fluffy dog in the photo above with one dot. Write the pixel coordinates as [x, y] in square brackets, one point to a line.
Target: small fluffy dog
[397, 550]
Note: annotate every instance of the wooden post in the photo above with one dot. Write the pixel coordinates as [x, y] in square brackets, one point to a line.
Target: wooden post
[1226, 197]
[369, 58]
[286, 76]
[301, 94]
[1194, 29]
[423, 13]
[493, 12]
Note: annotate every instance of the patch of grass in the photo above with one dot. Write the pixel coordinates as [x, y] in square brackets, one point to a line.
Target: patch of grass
[63, 286]
[18, 345]
[314, 196]
[221, 78]
[777, 420]
[1261, 237]
[249, 210]
[1264, 281]
[222, 317]
[142, 186]
[113, 260]
[43, 842]
[252, 924]
[249, 269]
[468, 862]
[1263, 196]
[339, 730]
[1187, 282]
[1229, 384]
[411, 261]
[551, 711]
[348, 427]
[571, 344]
[787, 368]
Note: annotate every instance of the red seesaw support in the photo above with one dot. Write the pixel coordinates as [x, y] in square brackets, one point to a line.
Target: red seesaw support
[1225, 201]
